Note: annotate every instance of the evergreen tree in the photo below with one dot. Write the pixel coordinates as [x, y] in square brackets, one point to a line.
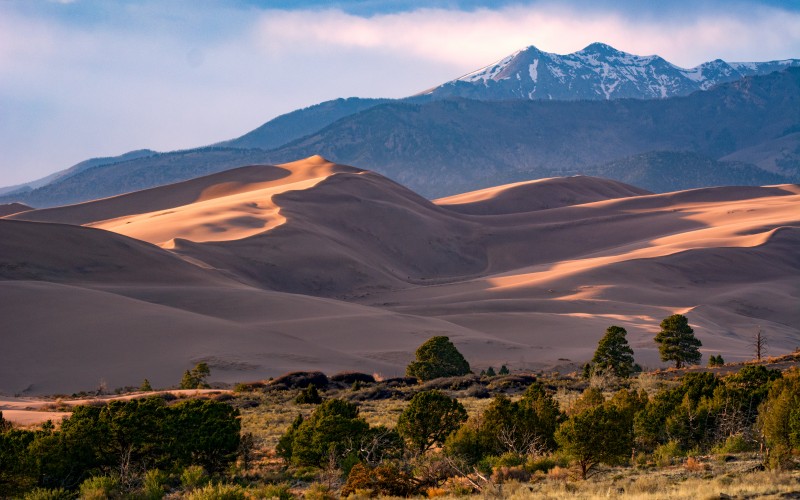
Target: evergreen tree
[429, 418]
[676, 341]
[146, 387]
[503, 370]
[437, 357]
[309, 396]
[613, 354]
[490, 372]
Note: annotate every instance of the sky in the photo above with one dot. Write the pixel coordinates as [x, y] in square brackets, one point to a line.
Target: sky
[89, 78]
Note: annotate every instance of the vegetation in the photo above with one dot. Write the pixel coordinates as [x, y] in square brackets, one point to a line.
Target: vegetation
[552, 436]
[613, 355]
[676, 341]
[430, 417]
[436, 358]
[196, 377]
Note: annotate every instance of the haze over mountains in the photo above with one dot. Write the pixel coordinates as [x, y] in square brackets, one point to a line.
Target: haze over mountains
[746, 131]
[312, 264]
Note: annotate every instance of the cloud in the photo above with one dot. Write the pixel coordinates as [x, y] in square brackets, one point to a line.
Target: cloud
[94, 78]
[475, 38]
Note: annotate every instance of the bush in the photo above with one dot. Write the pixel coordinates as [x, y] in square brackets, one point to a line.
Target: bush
[734, 444]
[48, 494]
[193, 477]
[779, 419]
[437, 357]
[275, 491]
[218, 491]
[667, 453]
[99, 488]
[196, 377]
[385, 479]
[153, 485]
[430, 418]
[309, 396]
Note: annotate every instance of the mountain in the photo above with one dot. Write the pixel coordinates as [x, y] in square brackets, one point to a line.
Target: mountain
[75, 169]
[442, 147]
[200, 270]
[445, 147]
[598, 72]
[300, 123]
[678, 170]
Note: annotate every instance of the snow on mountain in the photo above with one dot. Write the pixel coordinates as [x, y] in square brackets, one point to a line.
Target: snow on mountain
[598, 72]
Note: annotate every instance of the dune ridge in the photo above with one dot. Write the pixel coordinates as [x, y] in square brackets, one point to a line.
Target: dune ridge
[316, 265]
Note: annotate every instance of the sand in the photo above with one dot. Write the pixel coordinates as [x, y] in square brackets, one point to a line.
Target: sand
[313, 265]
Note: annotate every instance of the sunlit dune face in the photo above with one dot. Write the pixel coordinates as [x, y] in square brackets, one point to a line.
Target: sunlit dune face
[745, 223]
[223, 212]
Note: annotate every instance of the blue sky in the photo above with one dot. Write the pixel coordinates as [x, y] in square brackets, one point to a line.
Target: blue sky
[87, 78]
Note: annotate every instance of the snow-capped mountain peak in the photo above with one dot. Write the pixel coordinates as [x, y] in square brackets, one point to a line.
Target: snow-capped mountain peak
[596, 72]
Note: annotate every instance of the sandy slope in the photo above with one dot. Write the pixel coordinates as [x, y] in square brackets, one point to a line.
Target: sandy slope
[12, 208]
[509, 279]
[540, 194]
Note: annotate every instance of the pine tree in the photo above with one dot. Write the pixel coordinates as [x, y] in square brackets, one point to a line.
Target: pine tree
[146, 387]
[613, 354]
[490, 372]
[676, 341]
[503, 370]
[437, 357]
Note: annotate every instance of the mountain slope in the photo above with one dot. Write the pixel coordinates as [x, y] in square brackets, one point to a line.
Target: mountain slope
[595, 73]
[445, 147]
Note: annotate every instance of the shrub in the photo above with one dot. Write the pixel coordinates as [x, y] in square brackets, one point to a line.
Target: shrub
[435, 358]
[734, 444]
[385, 479]
[667, 453]
[48, 494]
[596, 435]
[779, 419]
[99, 488]
[153, 485]
[279, 491]
[196, 377]
[193, 477]
[430, 418]
[218, 491]
[309, 396]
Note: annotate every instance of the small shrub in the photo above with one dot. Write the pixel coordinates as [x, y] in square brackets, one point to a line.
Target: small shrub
[218, 491]
[279, 491]
[317, 491]
[666, 454]
[733, 444]
[504, 474]
[47, 494]
[99, 488]
[153, 485]
[308, 396]
[694, 465]
[193, 477]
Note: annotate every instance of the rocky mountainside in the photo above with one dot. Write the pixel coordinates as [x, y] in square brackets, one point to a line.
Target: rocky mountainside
[598, 72]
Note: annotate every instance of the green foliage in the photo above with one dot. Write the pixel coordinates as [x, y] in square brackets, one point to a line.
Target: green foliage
[333, 428]
[613, 355]
[429, 418]
[591, 398]
[666, 453]
[734, 444]
[196, 377]
[490, 372]
[48, 494]
[279, 491]
[146, 432]
[146, 387]
[503, 370]
[153, 485]
[218, 491]
[437, 357]
[309, 396]
[779, 419]
[100, 488]
[524, 427]
[193, 477]
[676, 341]
[596, 435]
[716, 361]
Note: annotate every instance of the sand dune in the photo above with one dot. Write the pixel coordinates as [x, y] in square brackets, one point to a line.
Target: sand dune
[251, 260]
[540, 194]
[13, 208]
